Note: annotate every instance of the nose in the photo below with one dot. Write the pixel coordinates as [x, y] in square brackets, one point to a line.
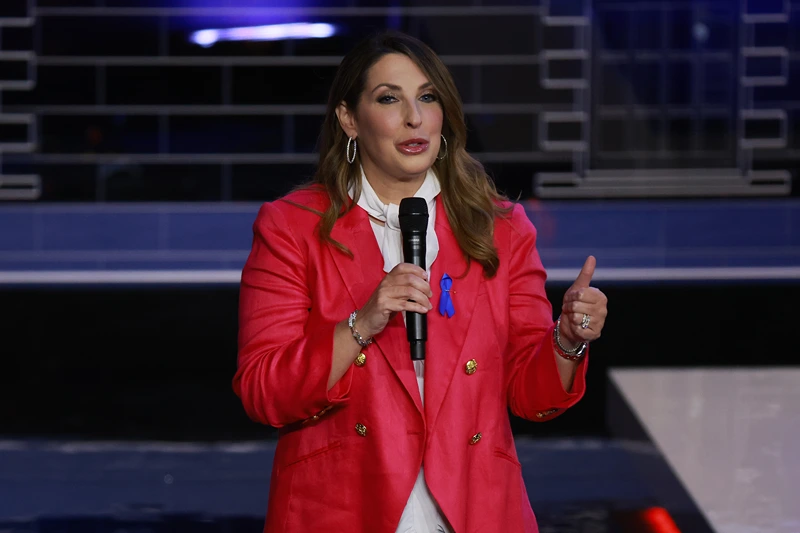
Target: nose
[413, 115]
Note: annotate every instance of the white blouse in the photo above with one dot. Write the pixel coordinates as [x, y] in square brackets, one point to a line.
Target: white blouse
[421, 514]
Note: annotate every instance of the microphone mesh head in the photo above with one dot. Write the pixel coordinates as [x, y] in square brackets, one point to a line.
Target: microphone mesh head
[413, 214]
[413, 206]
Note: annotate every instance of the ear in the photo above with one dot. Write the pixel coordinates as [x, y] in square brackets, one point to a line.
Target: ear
[347, 120]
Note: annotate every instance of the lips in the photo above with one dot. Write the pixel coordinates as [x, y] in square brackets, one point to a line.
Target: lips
[413, 146]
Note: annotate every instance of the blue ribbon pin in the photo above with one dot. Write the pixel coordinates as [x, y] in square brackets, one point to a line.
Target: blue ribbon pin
[445, 301]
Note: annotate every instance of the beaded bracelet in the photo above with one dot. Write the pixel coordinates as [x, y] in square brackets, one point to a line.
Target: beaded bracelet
[356, 335]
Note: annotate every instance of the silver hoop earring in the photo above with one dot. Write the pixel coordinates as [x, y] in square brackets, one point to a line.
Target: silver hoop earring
[445, 149]
[347, 150]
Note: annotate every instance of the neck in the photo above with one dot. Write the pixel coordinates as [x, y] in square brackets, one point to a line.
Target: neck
[392, 190]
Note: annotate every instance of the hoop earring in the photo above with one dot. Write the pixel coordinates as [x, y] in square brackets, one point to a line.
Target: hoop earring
[347, 150]
[445, 149]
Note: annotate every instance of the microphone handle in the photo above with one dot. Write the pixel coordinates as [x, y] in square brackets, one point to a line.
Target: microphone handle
[416, 323]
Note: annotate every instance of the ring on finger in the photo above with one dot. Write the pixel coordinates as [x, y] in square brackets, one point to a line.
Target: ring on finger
[585, 321]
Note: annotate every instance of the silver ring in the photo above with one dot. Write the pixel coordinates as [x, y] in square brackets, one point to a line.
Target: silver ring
[585, 321]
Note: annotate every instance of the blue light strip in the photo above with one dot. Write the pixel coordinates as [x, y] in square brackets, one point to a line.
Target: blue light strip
[271, 32]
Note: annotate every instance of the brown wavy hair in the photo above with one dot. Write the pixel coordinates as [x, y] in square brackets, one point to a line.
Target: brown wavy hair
[471, 200]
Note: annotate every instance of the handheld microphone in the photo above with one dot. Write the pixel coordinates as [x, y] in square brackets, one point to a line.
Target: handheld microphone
[413, 215]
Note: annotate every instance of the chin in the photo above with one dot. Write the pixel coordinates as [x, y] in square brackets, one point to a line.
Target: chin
[414, 168]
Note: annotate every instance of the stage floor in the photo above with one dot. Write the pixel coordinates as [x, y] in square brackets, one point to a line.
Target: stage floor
[729, 435]
[691, 450]
[575, 485]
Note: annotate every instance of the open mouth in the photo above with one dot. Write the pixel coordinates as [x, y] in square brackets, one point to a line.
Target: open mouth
[413, 146]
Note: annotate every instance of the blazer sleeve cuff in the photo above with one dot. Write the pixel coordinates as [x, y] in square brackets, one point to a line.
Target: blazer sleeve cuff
[341, 389]
[540, 393]
[561, 398]
[323, 399]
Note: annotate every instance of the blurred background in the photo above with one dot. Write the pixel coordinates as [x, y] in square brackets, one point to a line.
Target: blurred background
[138, 139]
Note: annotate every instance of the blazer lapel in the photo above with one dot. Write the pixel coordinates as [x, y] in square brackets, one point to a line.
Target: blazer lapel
[361, 274]
[446, 336]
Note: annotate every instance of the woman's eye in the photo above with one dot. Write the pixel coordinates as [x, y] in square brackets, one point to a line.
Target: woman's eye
[386, 99]
[428, 97]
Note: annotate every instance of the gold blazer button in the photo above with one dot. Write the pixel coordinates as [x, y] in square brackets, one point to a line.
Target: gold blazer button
[475, 438]
[471, 367]
[361, 360]
[361, 429]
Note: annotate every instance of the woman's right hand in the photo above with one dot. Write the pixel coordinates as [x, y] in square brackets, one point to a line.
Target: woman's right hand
[405, 282]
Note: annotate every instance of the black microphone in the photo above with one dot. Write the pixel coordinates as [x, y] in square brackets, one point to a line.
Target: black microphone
[413, 215]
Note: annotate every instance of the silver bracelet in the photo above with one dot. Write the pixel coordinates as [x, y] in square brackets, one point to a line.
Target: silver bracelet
[356, 335]
[573, 354]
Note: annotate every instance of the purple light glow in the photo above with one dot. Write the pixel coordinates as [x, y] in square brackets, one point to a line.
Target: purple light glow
[272, 32]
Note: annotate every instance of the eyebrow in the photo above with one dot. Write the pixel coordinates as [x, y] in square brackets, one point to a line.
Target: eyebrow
[398, 88]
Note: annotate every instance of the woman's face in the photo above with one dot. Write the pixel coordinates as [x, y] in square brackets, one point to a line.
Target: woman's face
[398, 121]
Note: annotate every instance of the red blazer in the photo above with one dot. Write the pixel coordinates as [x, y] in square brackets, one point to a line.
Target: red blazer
[347, 458]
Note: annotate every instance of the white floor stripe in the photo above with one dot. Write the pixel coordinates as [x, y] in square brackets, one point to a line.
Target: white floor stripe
[143, 277]
[179, 277]
[681, 274]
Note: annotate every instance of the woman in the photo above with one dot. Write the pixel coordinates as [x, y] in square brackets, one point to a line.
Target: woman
[369, 440]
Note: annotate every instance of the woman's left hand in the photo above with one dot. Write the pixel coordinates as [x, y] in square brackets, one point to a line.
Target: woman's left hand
[583, 311]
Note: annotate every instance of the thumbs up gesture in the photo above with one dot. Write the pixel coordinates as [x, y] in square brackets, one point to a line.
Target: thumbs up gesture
[583, 311]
